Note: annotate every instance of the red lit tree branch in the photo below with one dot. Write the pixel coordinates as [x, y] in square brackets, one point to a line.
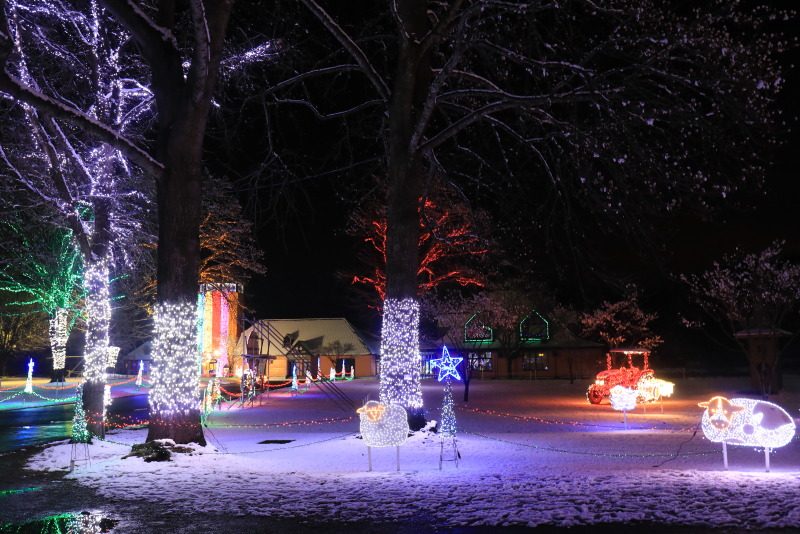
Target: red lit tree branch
[451, 243]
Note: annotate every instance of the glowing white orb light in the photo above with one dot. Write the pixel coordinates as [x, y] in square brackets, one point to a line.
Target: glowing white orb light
[623, 399]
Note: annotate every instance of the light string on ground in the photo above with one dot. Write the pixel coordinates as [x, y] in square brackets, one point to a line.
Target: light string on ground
[617, 455]
[541, 420]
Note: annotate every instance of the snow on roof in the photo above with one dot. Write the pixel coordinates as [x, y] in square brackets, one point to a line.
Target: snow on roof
[320, 335]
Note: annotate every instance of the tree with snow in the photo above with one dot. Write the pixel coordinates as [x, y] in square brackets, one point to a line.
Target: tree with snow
[749, 293]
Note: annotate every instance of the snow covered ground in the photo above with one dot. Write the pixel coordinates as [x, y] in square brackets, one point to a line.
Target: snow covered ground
[532, 453]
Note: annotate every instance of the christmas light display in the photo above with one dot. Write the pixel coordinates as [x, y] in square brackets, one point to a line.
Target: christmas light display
[294, 377]
[80, 431]
[139, 374]
[651, 389]
[29, 380]
[332, 375]
[113, 352]
[107, 399]
[58, 337]
[352, 372]
[98, 312]
[50, 283]
[211, 397]
[401, 362]
[447, 426]
[248, 385]
[383, 425]
[475, 331]
[217, 306]
[748, 422]
[623, 399]
[175, 370]
[447, 365]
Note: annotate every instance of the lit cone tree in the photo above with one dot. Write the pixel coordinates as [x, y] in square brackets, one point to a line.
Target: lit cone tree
[80, 430]
[447, 426]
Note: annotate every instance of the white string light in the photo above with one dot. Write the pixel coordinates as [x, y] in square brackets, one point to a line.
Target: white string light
[98, 311]
[58, 338]
[113, 352]
[29, 380]
[401, 361]
[652, 389]
[175, 371]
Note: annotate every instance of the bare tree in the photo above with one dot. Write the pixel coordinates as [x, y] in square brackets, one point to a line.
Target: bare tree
[621, 323]
[21, 329]
[583, 107]
[754, 295]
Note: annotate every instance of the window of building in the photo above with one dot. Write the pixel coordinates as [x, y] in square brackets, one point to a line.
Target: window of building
[536, 361]
[480, 361]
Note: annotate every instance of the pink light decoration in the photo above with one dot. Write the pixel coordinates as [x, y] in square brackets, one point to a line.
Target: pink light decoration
[224, 317]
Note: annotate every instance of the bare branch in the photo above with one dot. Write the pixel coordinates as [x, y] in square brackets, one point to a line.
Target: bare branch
[352, 48]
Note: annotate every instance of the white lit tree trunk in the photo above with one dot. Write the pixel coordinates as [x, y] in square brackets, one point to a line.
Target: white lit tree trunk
[58, 342]
[98, 311]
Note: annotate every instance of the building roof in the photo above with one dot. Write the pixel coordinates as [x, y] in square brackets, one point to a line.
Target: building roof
[142, 352]
[762, 332]
[328, 336]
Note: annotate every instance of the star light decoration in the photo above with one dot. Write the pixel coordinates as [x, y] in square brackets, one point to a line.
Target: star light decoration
[447, 365]
[401, 362]
[175, 370]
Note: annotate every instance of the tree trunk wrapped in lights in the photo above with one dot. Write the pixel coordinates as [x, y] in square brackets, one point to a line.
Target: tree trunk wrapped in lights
[58, 342]
[401, 362]
[175, 373]
[98, 312]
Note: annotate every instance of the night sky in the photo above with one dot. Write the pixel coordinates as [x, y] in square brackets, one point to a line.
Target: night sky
[310, 259]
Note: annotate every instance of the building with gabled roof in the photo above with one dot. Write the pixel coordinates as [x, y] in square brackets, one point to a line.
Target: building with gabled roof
[278, 343]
